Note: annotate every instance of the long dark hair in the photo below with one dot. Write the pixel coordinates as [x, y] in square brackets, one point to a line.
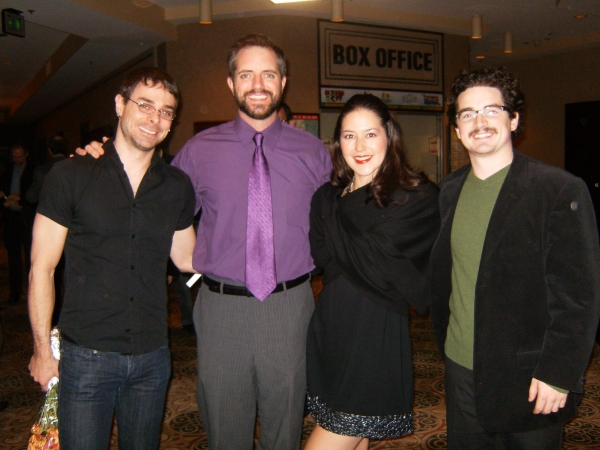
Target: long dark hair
[394, 172]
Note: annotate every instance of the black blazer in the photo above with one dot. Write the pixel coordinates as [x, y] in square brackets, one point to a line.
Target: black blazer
[537, 297]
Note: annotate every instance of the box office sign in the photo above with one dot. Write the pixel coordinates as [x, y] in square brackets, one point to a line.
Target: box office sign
[361, 56]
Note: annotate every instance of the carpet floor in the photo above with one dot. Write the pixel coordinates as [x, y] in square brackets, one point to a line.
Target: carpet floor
[182, 428]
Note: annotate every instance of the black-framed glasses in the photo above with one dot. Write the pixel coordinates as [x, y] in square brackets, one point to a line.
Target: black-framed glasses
[149, 109]
[468, 115]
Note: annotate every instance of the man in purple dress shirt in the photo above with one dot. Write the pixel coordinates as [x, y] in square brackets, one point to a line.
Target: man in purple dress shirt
[251, 353]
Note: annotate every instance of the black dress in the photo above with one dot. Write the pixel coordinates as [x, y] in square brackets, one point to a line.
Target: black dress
[359, 363]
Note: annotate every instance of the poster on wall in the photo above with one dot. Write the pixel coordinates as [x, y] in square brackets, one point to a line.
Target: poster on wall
[331, 97]
[307, 122]
[381, 58]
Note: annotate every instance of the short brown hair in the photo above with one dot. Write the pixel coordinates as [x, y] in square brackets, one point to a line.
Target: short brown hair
[255, 40]
[150, 76]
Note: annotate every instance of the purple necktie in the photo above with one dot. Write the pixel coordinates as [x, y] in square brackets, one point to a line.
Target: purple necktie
[260, 249]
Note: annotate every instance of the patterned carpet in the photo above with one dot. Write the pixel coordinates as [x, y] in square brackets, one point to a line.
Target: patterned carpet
[182, 428]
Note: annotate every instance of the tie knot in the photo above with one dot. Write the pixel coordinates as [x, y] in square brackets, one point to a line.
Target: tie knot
[258, 139]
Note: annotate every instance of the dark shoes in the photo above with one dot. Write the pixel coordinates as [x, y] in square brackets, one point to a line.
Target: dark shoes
[3, 405]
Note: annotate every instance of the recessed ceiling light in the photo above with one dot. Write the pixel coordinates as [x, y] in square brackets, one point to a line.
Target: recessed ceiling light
[291, 1]
[578, 16]
[480, 57]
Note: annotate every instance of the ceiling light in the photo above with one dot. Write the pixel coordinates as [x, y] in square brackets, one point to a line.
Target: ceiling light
[291, 1]
[337, 10]
[206, 12]
[508, 42]
[480, 57]
[580, 16]
[476, 27]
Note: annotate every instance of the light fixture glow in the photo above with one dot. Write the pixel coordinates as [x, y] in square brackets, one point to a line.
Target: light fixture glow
[480, 57]
[337, 10]
[508, 41]
[291, 1]
[580, 16]
[476, 25]
[206, 12]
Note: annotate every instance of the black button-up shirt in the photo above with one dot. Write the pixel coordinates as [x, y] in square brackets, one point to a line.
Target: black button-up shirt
[117, 248]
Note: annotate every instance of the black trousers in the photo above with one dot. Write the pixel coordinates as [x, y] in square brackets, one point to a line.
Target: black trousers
[17, 239]
[465, 431]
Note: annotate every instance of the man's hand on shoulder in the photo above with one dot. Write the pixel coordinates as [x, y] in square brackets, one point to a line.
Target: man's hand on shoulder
[549, 400]
[43, 369]
[94, 148]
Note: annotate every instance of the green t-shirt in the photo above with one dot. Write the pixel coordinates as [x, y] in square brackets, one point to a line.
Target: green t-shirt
[471, 219]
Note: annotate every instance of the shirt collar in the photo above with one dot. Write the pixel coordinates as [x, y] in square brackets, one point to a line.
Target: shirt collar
[246, 133]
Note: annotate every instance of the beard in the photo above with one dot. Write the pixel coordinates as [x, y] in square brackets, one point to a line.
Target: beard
[259, 112]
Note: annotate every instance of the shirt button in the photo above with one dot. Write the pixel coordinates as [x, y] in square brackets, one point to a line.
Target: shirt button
[127, 330]
[131, 299]
[134, 205]
[132, 267]
[133, 236]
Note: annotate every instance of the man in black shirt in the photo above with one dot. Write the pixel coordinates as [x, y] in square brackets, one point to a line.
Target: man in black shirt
[118, 218]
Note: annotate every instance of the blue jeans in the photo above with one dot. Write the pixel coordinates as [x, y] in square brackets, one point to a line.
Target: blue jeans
[94, 385]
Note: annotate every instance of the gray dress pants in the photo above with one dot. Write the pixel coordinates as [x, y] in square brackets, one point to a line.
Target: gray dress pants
[251, 355]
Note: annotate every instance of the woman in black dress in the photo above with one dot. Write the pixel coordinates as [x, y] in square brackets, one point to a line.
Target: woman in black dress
[372, 228]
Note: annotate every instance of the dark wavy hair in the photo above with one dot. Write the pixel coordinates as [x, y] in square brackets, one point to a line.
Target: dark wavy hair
[150, 76]
[498, 78]
[255, 40]
[394, 172]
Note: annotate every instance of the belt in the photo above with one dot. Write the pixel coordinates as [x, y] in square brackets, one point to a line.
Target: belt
[228, 289]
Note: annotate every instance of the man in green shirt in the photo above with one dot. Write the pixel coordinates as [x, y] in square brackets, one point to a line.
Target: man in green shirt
[514, 279]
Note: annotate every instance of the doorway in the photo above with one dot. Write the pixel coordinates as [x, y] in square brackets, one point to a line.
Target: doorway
[582, 146]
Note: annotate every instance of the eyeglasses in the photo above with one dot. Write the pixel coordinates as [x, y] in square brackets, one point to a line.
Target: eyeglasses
[468, 115]
[148, 109]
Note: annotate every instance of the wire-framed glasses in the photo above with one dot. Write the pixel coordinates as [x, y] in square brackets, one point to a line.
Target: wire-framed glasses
[149, 109]
[468, 115]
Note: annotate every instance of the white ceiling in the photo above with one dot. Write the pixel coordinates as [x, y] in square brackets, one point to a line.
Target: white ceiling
[117, 31]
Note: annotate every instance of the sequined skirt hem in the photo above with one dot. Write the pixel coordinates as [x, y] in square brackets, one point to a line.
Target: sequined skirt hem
[346, 424]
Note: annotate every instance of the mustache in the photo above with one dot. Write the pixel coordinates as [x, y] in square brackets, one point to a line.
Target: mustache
[483, 130]
[258, 92]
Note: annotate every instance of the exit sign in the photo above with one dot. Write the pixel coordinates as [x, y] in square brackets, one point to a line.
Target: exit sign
[13, 22]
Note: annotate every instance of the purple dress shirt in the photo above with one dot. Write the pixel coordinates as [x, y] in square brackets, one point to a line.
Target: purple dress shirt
[218, 161]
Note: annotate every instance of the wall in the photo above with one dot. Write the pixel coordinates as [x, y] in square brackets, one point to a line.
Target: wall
[96, 106]
[549, 83]
[198, 61]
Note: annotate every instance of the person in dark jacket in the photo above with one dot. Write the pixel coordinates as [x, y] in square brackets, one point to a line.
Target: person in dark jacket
[17, 218]
[371, 230]
[515, 279]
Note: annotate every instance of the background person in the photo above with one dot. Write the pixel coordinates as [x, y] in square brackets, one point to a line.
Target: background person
[17, 218]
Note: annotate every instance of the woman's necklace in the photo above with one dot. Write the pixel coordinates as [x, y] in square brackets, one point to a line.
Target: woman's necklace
[350, 187]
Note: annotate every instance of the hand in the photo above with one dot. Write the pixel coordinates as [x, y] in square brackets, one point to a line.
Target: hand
[11, 203]
[169, 279]
[94, 148]
[14, 197]
[43, 369]
[548, 399]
